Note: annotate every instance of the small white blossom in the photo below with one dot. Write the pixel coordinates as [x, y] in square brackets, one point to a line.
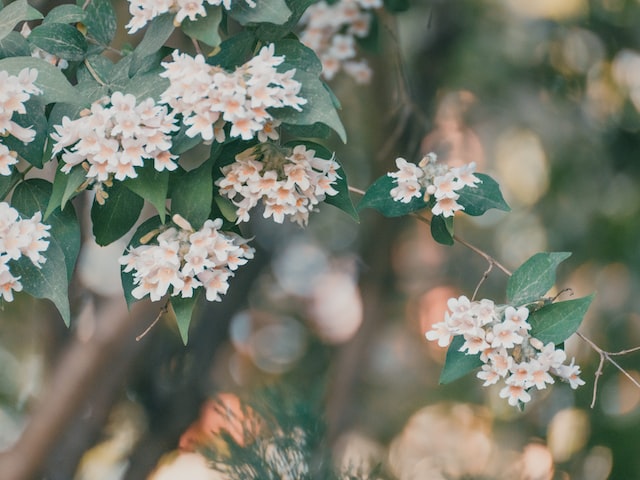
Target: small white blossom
[208, 97]
[115, 137]
[499, 335]
[19, 237]
[184, 260]
[290, 186]
[431, 179]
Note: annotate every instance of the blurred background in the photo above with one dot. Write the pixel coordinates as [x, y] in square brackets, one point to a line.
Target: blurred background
[324, 331]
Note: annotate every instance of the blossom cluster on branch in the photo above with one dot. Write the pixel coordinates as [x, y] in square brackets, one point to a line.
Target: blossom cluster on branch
[330, 30]
[499, 334]
[14, 93]
[19, 237]
[186, 259]
[143, 11]
[115, 136]
[430, 178]
[208, 97]
[289, 183]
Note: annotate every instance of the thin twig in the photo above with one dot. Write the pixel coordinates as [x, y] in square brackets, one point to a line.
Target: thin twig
[485, 275]
[162, 311]
[356, 190]
[604, 355]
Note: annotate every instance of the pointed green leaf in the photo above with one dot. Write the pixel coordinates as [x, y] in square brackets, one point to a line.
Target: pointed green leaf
[55, 86]
[158, 32]
[226, 207]
[379, 198]
[6, 183]
[100, 21]
[14, 13]
[65, 187]
[59, 39]
[127, 277]
[151, 185]
[32, 152]
[116, 217]
[34, 195]
[192, 195]
[205, 29]
[268, 31]
[534, 278]
[65, 14]
[558, 321]
[183, 309]
[49, 281]
[146, 85]
[458, 364]
[442, 229]
[272, 11]
[14, 45]
[484, 196]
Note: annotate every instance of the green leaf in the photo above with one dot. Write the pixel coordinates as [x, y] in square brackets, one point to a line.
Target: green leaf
[534, 278]
[59, 39]
[558, 321]
[183, 309]
[14, 45]
[49, 281]
[127, 278]
[267, 31]
[297, 56]
[33, 195]
[65, 187]
[14, 13]
[226, 207]
[205, 29]
[379, 198]
[484, 196]
[272, 11]
[442, 229]
[158, 32]
[65, 14]
[146, 85]
[54, 85]
[96, 66]
[32, 152]
[100, 21]
[118, 214]
[458, 364]
[6, 182]
[396, 6]
[151, 185]
[182, 143]
[234, 51]
[192, 195]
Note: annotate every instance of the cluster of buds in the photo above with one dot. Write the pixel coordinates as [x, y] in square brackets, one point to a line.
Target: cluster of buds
[500, 336]
[330, 29]
[432, 178]
[14, 92]
[114, 137]
[143, 11]
[185, 259]
[289, 183]
[19, 237]
[208, 96]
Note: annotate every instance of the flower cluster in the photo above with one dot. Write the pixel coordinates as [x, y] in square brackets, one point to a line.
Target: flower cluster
[184, 260]
[437, 179]
[330, 30]
[115, 136]
[289, 184]
[500, 335]
[208, 96]
[143, 11]
[14, 92]
[19, 237]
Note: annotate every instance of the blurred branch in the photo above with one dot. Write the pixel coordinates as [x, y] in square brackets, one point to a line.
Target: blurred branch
[78, 370]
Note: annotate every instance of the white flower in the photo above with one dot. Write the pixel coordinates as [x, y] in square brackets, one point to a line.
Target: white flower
[209, 97]
[184, 260]
[115, 137]
[515, 393]
[571, 373]
[440, 331]
[517, 318]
